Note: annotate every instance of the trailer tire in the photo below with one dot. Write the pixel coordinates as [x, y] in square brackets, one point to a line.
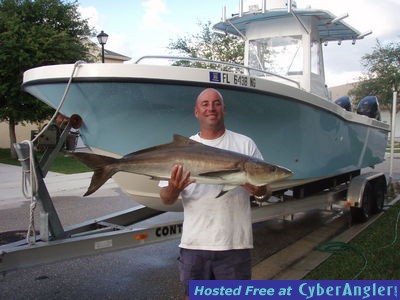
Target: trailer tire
[379, 191]
[362, 214]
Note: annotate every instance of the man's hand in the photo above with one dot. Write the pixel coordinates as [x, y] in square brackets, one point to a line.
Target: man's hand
[259, 191]
[178, 181]
[176, 184]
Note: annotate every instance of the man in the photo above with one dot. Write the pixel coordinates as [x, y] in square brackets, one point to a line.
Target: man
[217, 232]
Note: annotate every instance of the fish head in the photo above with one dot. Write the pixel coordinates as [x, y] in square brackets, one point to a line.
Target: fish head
[260, 173]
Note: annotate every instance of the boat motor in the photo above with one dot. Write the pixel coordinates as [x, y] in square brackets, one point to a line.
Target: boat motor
[369, 107]
[344, 102]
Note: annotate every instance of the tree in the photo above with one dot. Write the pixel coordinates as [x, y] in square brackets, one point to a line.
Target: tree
[32, 34]
[210, 45]
[383, 74]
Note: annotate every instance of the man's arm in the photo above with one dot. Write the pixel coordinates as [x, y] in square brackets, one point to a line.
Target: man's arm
[176, 184]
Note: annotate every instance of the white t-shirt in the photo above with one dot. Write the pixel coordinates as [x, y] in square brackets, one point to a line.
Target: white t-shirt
[222, 223]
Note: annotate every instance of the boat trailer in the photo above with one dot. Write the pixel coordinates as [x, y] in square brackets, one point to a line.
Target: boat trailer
[364, 194]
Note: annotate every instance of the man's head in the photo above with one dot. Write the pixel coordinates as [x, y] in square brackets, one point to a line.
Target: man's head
[209, 110]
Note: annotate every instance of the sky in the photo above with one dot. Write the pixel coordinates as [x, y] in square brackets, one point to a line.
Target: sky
[146, 27]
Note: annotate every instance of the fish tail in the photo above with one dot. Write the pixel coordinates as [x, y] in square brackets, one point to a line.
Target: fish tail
[104, 168]
[100, 177]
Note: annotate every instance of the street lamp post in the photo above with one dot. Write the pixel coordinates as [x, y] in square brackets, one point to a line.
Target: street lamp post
[102, 38]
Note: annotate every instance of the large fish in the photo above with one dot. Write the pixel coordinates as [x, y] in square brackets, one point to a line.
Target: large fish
[206, 165]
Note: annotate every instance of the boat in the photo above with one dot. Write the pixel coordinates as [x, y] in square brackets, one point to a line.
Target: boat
[278, 97]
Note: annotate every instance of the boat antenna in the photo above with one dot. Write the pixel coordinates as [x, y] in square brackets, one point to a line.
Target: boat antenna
[338, 19]
[264, 6]
[291, 11]
[363, 35]
[289, 6]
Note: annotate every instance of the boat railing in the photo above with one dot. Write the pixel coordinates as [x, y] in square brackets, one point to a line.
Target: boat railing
[246, 69]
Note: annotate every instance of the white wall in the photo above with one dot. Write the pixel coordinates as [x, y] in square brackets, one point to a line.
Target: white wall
[387, 116]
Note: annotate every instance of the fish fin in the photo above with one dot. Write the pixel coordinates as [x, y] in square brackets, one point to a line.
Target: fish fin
[225, 189]
[100, 177]
[178, 140]
[221, 193]
[184, 141]
[219, 174]
[102, 166]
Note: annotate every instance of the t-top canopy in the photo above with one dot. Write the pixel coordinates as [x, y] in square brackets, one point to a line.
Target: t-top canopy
[329, 26]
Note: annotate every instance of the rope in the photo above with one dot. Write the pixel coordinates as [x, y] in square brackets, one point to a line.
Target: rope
[79, 62]
[29, 179]
[30, 187]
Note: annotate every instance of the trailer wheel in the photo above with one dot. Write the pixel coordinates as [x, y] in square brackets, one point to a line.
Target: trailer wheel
[379, 191]
[362, 214]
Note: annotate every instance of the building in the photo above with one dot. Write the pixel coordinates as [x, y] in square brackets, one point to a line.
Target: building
[113, 57]
[341, 90]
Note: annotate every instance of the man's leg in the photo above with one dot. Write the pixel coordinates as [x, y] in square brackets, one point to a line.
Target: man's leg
[232, 265]
[194, 265]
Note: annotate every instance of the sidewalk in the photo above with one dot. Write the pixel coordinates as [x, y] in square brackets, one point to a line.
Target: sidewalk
[11, 184]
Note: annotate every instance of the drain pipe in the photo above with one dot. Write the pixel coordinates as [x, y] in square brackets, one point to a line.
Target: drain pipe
[393, 131]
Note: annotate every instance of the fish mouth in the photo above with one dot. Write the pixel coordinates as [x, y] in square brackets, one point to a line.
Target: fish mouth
[284, 173]
[287, 173]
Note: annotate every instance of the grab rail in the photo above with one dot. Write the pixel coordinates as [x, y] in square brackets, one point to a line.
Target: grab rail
[197, 59]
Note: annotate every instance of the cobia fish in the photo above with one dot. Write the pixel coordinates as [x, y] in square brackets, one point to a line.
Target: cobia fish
[206, 164]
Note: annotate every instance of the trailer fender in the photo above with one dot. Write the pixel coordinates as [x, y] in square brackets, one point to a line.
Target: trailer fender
[357, 187]
[365, 195]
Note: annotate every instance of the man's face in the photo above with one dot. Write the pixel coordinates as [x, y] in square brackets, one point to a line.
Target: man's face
[209, 110]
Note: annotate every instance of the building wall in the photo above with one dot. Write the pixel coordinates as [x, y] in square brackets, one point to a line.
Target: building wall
[341, 90]
[387, 116]
[23, 132]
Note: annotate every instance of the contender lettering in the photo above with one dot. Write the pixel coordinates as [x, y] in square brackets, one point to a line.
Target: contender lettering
[169, 230]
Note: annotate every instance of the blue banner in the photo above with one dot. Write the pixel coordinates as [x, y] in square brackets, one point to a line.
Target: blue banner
[294, 289]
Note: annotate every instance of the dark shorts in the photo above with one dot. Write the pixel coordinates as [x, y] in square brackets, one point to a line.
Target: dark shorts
[209, 265]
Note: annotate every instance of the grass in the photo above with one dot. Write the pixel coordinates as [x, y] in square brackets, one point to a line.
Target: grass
[5, 158]
[62, 164]
[373, 254]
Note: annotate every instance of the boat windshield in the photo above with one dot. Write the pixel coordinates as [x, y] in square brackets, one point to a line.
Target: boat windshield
[278, 55]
